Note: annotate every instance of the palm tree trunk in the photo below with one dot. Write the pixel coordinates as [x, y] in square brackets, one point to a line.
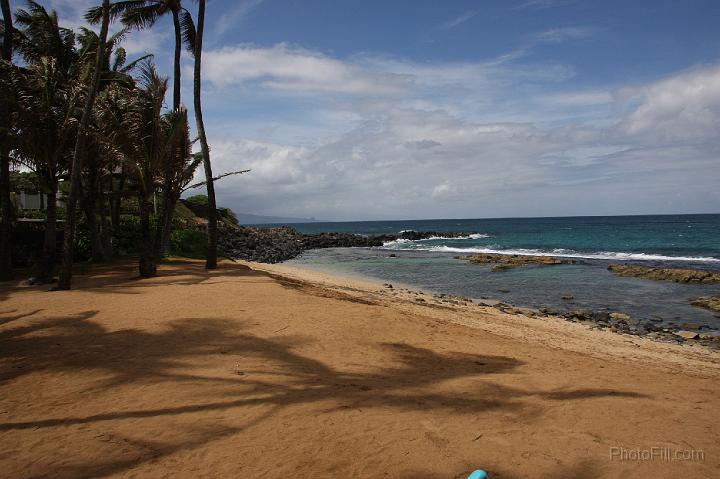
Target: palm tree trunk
[6, 208]
[211, 260]
[116, 200]
[176, 63]
[147, 258]
[7, 214]
[48, 257]
[89, 203]
[105, 227]
[164, 226]
[69, 237]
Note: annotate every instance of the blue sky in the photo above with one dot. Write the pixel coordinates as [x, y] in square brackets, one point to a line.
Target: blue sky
[423, 109]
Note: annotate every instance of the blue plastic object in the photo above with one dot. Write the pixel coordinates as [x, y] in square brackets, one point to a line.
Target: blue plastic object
[478, 474]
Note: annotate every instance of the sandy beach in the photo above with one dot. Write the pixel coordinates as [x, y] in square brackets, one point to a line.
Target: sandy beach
[270, 371]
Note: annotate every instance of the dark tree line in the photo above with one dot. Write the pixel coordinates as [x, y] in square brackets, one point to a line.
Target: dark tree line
[74, 107]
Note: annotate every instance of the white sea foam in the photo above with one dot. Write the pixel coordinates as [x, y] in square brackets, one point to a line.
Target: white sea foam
[472, 236]
[433, 238]
[562, 253]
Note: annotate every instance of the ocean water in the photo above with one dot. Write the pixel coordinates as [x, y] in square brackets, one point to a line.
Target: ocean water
[663, 240]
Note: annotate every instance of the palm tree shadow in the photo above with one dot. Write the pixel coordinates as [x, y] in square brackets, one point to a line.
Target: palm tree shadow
[278, 375]
[123, 278]
[10, 319]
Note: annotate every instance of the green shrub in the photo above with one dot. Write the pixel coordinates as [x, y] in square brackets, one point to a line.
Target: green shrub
[127, 237]
[190, 243]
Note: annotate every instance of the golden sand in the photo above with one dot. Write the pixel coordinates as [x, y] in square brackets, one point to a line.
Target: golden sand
[257, 371]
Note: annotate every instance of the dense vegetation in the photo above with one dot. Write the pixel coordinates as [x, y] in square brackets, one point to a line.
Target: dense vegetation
[84, 123]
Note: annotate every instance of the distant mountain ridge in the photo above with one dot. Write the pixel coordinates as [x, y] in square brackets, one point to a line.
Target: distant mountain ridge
[250, 219]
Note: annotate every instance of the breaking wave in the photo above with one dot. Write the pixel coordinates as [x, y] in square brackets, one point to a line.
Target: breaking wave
[561, 253]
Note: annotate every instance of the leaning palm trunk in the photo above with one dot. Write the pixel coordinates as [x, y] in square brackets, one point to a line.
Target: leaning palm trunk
[69, 237]
[211, 261]
[6, 209]
[164, 226]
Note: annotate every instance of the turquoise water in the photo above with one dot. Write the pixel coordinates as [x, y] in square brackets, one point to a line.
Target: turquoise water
[678, 240]
[694, 238]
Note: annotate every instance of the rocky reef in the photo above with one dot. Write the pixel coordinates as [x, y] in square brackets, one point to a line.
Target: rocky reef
[677, 275]
[503, 262]
[708, 302]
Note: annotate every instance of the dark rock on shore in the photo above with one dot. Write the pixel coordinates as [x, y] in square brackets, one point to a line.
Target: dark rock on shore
[273, 245]
[678, 275]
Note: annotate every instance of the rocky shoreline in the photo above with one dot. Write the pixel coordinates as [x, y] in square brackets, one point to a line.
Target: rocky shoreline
[621, 323]
[274, 245]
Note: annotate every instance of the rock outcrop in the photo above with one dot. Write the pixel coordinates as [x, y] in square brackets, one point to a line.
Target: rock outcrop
[708, 302]
[273, 245]
[503, 262]
[678, 275]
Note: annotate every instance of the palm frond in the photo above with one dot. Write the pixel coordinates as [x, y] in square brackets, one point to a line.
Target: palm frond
[133, 64]
[120, 58]
[142, 17]
[94, 14]
[188, 30]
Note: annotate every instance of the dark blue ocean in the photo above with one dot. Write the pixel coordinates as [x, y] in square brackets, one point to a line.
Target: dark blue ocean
[659, 240]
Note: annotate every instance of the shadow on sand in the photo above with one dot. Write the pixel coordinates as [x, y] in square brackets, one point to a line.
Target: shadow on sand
[278, 376]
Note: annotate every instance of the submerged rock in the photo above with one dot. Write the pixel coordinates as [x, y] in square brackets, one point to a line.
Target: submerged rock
[708, 302]
[503, 262]
[620, 317]
[678, 275]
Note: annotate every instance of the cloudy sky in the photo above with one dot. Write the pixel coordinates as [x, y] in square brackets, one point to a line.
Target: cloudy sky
[353, 110]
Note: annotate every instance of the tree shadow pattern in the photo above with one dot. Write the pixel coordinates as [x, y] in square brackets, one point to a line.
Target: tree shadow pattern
[76, 343]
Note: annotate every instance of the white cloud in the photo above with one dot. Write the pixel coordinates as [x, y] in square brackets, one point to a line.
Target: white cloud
[683, 107]
[543, 3]
[578, 98]
[443, 149]
[443, 189]
[459, 20]
[557, 35]
[283, 67]
[233, 16]
[146, 41]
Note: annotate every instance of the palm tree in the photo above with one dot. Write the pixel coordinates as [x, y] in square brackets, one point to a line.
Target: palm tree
[6, 209]
[211, 260]
[98, 172]
[144, 139]
[143, 14]
[46, 123]
[69, 236]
